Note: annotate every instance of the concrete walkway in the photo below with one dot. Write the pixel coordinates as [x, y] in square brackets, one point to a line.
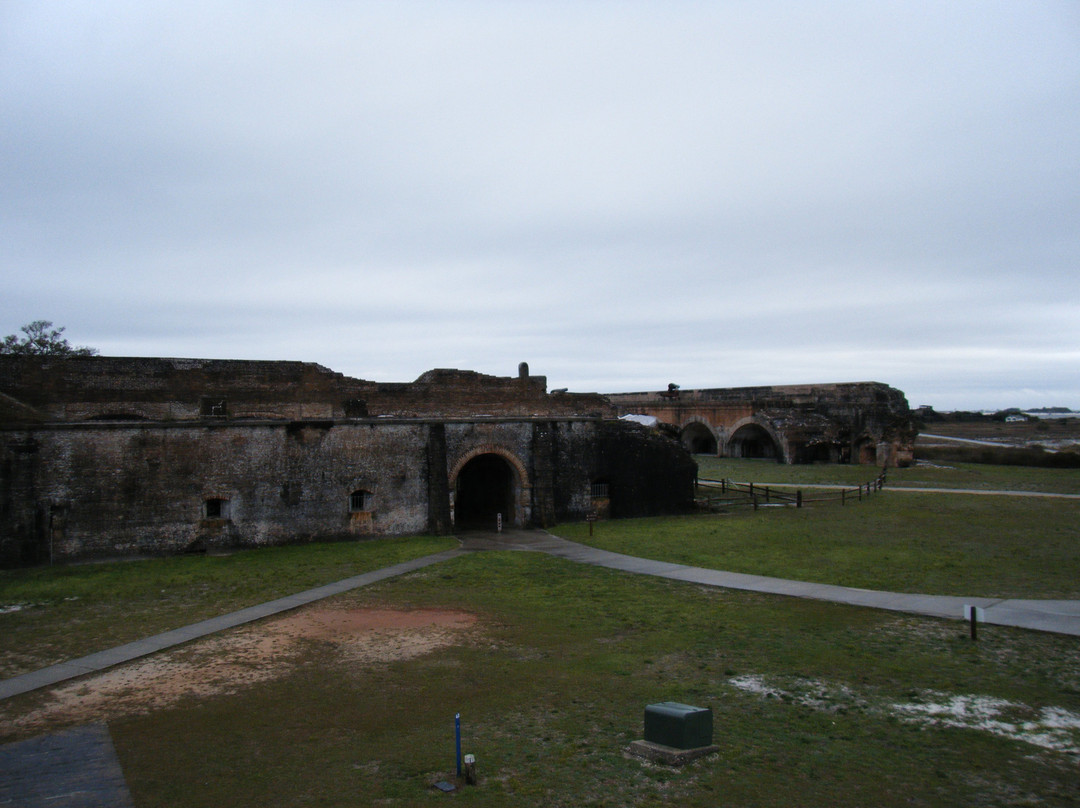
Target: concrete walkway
[159, 642]
[1059, 616]
[989, 493]
[77, 768]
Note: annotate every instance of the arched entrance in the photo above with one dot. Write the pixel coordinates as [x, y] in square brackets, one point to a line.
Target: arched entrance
[698, 439]
[866, 451]
[485, 487]
[752, 440]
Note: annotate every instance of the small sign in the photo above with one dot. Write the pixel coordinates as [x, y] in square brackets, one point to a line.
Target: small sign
[591, 516]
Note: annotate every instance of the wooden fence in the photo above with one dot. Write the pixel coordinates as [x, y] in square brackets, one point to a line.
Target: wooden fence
[733, 494]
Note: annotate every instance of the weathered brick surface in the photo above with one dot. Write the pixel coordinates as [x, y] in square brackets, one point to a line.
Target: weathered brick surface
[102, 456]
[83, 388]
[134, 456]
[865, 422]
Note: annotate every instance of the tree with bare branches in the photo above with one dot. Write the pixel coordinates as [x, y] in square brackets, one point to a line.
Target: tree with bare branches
[39, 338]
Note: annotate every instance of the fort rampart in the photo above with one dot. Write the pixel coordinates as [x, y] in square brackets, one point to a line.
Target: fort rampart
[105, 456]
[859, 422]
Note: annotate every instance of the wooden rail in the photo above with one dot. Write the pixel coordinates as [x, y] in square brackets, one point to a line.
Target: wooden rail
[736, 494]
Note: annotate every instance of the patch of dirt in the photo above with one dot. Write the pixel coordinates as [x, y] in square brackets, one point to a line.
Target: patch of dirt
[237, 659]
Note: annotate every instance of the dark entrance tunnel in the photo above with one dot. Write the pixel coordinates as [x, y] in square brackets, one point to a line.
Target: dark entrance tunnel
[752, 441]
[699, 439]
[485, 488]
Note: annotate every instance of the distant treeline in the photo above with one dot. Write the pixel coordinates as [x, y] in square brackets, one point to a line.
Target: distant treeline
[1002, 455]
[930, 415]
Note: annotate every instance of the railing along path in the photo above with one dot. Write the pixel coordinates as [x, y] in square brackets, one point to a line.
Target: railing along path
[735, 494]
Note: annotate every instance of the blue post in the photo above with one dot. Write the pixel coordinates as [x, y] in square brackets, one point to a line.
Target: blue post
[457, 741]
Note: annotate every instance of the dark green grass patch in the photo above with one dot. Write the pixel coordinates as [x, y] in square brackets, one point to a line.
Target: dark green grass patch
[552, 683]
[945, 475]
[58, 613]
[769, 471]
[904, 542]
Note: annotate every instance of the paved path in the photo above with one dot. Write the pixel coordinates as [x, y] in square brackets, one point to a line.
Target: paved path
[159, 642]
[902, 488]
[73, 769]
[1001, 444]
[1059, 616]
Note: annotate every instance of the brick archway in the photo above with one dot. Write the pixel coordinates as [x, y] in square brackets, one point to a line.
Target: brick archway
[489, 479]
[699, 437]
[753, 437]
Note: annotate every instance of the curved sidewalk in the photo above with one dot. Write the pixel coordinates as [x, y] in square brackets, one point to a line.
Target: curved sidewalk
[1058, 616]
[93, 663]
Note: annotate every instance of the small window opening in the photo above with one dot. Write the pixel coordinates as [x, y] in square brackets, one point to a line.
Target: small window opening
[215, 508]
[599, 490]
[360, 501]
[214, 406]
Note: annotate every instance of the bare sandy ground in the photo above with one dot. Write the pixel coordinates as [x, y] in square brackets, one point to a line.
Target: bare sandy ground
[243, 657]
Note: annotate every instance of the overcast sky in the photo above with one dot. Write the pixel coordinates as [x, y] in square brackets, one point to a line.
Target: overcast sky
[623, 194]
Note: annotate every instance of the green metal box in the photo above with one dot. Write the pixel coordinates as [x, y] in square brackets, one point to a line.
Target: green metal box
[678, 725]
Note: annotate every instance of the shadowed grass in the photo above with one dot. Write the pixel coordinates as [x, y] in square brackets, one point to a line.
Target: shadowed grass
[69, 611]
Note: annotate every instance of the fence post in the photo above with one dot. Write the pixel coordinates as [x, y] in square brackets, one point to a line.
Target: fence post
[798, 498]
[842, 493]
[751, 489]
[766, 493]
[755, 501]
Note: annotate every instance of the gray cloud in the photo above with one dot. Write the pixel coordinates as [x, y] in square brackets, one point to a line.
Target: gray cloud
[622, 194]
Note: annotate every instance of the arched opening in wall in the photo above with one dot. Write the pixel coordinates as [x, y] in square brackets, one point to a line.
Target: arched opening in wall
[866, 451]
[752, 440]
[485, 487]
[698, 439]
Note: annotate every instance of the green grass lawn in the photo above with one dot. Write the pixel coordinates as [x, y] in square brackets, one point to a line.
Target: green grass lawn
[814, 704]
[942, 544]
[952, 475]
[553, 682]
[51, 614]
